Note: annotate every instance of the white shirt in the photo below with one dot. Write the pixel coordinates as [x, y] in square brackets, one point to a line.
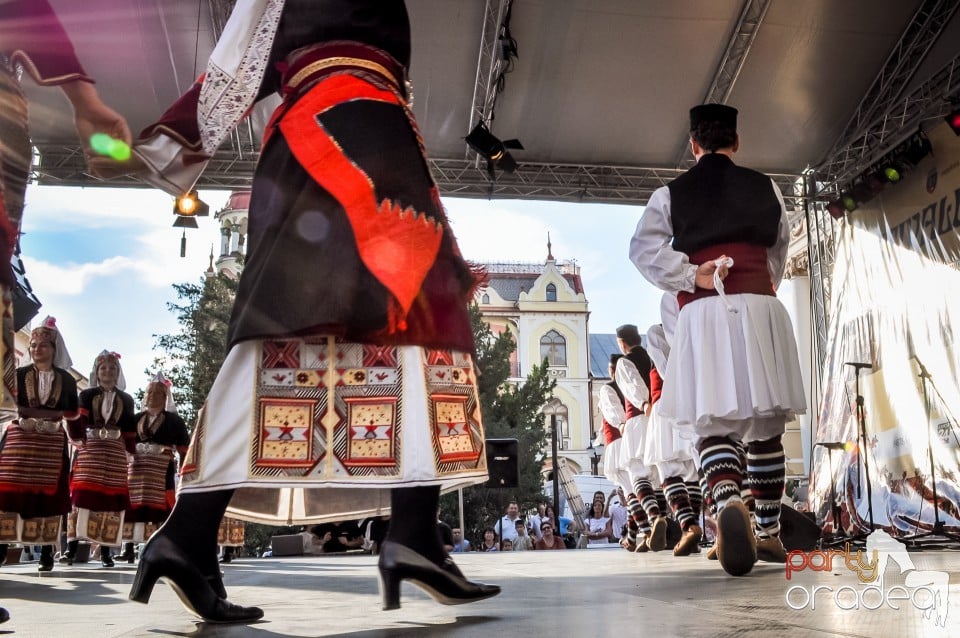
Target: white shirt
[509, 527]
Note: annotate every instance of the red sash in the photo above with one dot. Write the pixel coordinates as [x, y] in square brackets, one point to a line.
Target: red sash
[749, 274]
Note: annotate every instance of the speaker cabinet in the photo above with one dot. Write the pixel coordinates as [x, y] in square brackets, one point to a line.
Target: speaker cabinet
[502, 464]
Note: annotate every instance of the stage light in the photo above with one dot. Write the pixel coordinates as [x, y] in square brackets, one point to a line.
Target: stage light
[918, 148]
[850, 446]
[849, 203]
[493, 149]
[185, 221]
[892, 173]
[836, 209]
[953, 119]
[190, 205]
[861, 192]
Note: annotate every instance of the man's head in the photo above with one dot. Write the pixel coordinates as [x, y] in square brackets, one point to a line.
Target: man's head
[627, 337]
[713, 127]
[612, 368]
[513, 510]
[457, 534]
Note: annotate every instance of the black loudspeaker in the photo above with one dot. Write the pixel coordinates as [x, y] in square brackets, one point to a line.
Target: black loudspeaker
[797, 530]
[502, 464]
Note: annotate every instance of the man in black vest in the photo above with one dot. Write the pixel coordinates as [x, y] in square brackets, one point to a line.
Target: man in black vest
[718, 237]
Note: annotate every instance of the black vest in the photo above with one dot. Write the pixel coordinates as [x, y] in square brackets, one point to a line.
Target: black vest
[718, 202]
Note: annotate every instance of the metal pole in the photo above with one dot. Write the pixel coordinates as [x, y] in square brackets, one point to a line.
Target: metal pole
[556, 472]
[463, 530]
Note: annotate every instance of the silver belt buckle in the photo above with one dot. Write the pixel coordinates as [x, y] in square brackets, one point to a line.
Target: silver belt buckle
[41, 426]
[104, 433]
[150, 448]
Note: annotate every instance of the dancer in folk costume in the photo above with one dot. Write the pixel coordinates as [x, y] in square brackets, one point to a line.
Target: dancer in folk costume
[98, 480]
[160, 437]
[34, 464]
[670, 449]
[718, 237]
[350, 325]
[611, 404]
[633, 379]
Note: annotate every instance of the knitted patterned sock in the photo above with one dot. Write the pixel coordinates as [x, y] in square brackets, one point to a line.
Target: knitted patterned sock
[720, 460]
[746, 495]
[675, 491]
[637, 514]
[766, 469]
[707, 495]
[661, 499]
[696, 498]
[648, 499]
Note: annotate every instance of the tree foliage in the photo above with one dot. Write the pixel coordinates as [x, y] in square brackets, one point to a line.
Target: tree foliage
[509, 411]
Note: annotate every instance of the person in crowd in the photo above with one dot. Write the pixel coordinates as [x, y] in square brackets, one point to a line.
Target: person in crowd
[338, 537]
[489, 543]
[446, 534]
[102, 434]
[535, 519]
[617, 513]
[387, 291]
[549, 540]
[160, 437]
[523, 541]
[506, 527]
[717, 236]
[34, 460]
[460, 544]
[598, 529]
[508, 545]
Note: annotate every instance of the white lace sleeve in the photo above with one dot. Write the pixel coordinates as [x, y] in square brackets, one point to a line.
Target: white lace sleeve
[777, 256]
[632, 383]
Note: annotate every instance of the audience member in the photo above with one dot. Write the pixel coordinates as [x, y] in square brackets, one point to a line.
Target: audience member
[460, 544]
[549, 541]
[489, 543]
[523, 541]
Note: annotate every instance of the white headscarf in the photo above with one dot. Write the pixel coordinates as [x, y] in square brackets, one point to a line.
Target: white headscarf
[95, 380]
[170, 405]
[48, 331]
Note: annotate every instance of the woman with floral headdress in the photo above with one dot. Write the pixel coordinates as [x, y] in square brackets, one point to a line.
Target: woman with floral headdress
[34, 466]
[159, 435]
[98, 480]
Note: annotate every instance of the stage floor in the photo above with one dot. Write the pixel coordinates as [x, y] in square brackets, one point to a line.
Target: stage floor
[569, 594]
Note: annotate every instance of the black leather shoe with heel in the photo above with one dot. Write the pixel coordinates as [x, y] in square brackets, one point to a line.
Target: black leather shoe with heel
[161, 558]
[444, 584]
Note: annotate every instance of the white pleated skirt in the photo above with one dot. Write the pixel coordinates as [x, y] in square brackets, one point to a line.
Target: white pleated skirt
[612, 469]
[665, 442]
[733, 371]
[317, 429]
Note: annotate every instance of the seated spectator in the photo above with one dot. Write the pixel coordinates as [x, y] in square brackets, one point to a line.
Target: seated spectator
[460, 544]
[374, 531]
[489, 543]
[549, 540]
[523, 541]
[446, 534]
[338, 537]
[507, 545]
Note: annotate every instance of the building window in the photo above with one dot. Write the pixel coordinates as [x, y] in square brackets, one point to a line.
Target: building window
[551, 292]
[553, 348]
[485, 298]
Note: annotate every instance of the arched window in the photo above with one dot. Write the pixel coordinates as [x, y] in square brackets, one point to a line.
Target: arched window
[485, 298]
[551, 292]
[553, 348]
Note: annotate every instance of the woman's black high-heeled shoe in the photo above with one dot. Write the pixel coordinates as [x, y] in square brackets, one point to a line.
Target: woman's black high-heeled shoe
[163, 559]
[398, 563]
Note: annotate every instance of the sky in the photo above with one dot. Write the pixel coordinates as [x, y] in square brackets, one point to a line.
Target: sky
[103, 260]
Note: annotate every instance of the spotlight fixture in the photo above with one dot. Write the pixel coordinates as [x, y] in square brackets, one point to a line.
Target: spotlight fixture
[953, 119]
[493, 149]
[836, 209]
[190, 205]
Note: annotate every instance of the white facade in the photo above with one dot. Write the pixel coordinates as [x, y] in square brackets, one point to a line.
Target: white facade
[544, 308]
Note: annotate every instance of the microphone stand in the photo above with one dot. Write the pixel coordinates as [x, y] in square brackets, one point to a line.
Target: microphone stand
[938, 529]
[839, 537]
[862, 452]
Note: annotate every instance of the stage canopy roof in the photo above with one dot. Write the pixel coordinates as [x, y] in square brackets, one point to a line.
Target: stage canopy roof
[598, 94]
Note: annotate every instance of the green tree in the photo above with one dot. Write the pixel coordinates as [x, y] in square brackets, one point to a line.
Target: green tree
[510, 411]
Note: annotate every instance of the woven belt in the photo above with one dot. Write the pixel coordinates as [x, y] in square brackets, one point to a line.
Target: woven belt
[40, 426]
[154, 449]
[314, 62]
[103, 433]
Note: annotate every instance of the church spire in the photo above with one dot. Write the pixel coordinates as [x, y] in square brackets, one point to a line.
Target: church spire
[549, 248]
